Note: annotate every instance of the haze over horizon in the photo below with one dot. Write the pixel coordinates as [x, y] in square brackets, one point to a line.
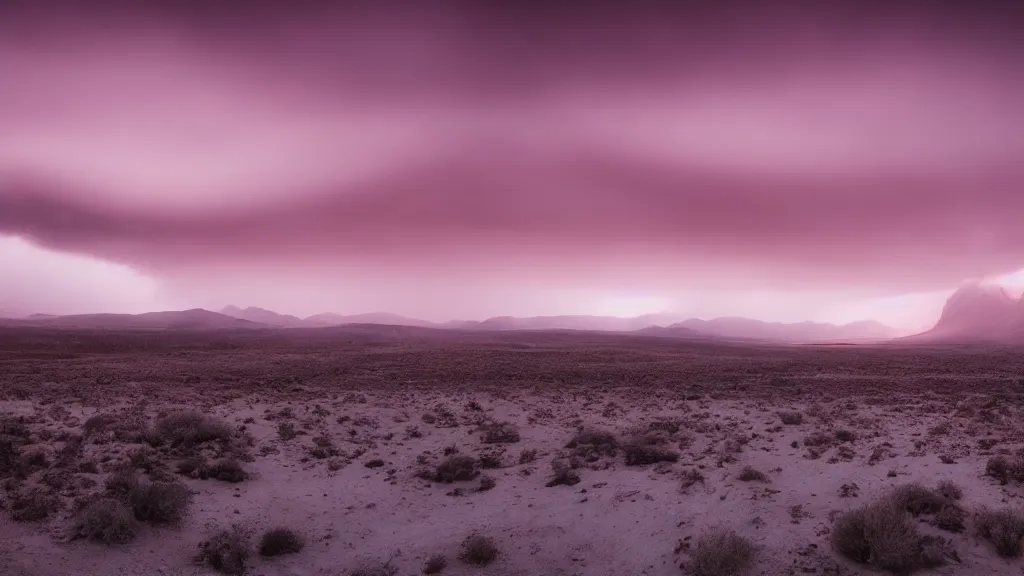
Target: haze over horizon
[778, 161]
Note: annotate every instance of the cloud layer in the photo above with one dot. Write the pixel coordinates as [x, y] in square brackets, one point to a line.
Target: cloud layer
[861, 149]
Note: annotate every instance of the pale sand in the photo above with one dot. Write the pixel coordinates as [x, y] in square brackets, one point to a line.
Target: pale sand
[618, 520]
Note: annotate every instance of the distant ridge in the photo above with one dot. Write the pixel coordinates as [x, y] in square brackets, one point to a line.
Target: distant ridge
[194, 319]
[799, 332]
[666, 325]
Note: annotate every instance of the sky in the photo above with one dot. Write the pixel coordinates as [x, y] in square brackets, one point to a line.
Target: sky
[785, 161]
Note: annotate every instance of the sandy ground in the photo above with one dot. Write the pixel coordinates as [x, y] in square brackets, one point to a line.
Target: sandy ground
[618, 520]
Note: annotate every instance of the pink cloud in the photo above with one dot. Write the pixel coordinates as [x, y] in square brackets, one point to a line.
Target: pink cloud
[762, 150]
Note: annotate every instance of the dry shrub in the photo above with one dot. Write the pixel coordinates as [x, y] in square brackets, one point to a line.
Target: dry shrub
[564, 475]
[106, 520]
[99, 423]
[690, 477]
[950, 490]
[885, 535]
[435, 564]
[499, 433]
[487, 483]
[591, 445]
[491, 461]
[791, 418]
[456, 468]
[194, 466]
[189, 428]
[478, 550]
[159, 503]
[721, 552]
[8, 458]
[1003, 469]
[280, 541]
[951, 519]
[34, 459]
[1002, 528]
[817, 439]
[227, 470]
[844, 435]
[120, 484]
[33, 506]
[749, 474]
[527, 456]
[639, 454]
[227, 551]
[918, 500]
[286, 431]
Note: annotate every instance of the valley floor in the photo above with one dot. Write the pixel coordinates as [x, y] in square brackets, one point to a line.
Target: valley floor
[342, 443]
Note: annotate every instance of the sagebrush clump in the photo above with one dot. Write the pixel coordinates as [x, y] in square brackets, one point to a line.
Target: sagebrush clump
[1002, 528]
[280, 541]
[499, 433]
[227, 551]
[159, 503]
[721, 552]
[791, 418]
[885, 535]
[107, 520]
[478, 550]
[456, 468]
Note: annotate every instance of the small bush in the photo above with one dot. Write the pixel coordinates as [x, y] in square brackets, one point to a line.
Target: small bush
[1002, 469]
[884, 534]
[487, 483]
[456, 468]
[160, 502]
[478, 550]
[280, 541]
[845, 435]
[35, 506]
[499, 433]
[227, 551]
[749, 474]
[643, 454]
[591, 445]
[120, 484]
[791, 418]
[107, 520]
[99, 423]
[435, 564]
[527, 456]
[490, 461]
[918, 500]
[194, 466]
[563, 475]
[286, 431]
[951, 519]
[1002, 528]
[950, 490]
[689, 478]
[189, 428]
[818, 439]
[227, 470]
[721, 552]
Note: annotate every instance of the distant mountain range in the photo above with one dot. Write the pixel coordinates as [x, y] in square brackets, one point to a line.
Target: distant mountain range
[747, 328]
[978, 313]
[195, 319]
[665, 325]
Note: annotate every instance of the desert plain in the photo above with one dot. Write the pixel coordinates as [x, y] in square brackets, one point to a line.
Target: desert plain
[399, 451]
